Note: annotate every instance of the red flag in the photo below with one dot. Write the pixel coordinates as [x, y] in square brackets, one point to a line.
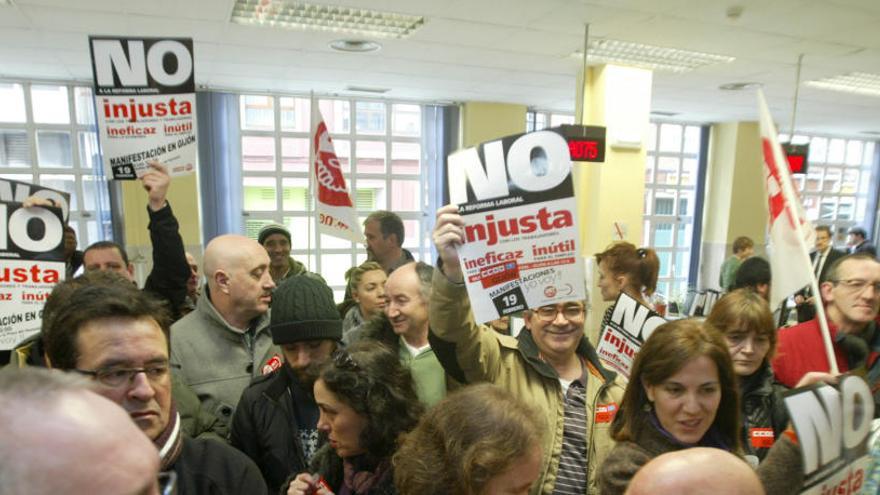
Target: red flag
[790, 231]
[337, 215]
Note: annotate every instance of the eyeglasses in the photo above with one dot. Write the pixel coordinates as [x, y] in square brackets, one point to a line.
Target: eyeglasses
[117, 377]
[168, 483]
[548, 314]
[343, 360]
[858, 285]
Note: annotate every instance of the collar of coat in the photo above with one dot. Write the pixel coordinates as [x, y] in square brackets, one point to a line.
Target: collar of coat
[530, 352]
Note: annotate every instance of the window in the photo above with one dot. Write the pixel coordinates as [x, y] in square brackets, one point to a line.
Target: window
[48, 137]
[537, 120]
[670, 198]
[834, 190]
[379, 146]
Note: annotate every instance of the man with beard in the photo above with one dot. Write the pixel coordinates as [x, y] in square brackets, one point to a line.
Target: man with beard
[276, 421]
[224, 343]
[117, 335]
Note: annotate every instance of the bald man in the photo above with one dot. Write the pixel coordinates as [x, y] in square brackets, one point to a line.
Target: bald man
[60, 437]
[685, 472]
[225, 342]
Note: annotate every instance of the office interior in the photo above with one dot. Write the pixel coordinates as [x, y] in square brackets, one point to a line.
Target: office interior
[673, 82]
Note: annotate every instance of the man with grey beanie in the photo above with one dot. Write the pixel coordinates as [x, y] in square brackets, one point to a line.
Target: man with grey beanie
[276, 421]
[276, 240]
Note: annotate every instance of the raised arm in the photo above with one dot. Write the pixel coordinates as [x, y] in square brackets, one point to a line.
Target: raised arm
[170, 271]
[466, 350]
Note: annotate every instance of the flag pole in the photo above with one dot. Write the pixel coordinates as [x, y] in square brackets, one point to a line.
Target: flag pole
[789, 195]
[312, 183]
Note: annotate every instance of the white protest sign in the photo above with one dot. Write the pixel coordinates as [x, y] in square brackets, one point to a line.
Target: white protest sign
[630, 325]
[31, 263]
[521, 242]
[145, 102]
[15, 191]
[832, 426]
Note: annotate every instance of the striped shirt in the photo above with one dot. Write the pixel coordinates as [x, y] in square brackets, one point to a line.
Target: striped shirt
[571, 477]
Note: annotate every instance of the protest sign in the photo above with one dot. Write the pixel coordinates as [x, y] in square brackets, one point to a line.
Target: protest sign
[521, 245]
[145, 103]
[13, 191]
[631, 323]
[31, 263]
[832, 426]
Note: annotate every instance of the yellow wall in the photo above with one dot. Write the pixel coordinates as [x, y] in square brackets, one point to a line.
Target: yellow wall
[482, 121]
[613, 191]
[183, 196]
[735, 201]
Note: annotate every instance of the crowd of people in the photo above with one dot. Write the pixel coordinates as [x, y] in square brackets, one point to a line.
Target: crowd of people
[257, 381]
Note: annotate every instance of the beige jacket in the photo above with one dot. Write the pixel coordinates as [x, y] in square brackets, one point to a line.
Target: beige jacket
[475, 353]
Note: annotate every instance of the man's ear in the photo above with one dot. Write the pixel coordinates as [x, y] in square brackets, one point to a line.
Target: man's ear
[221, 280]
[527, 319]
[130, 269]
[825, 289]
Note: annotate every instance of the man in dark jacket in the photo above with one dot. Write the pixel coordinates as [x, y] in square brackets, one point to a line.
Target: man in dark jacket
[823, 257]
[276, 422]
[107, 329]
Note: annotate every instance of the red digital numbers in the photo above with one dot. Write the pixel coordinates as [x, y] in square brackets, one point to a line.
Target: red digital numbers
[583, 150]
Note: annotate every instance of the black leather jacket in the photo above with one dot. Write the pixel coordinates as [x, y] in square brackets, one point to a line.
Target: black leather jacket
[762, 407]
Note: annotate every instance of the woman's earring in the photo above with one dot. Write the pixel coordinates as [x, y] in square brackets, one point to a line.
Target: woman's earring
[648, 407]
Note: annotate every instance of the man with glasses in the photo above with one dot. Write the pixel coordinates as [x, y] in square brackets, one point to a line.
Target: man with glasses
[108, 330]
[851, 294]
[550, 364]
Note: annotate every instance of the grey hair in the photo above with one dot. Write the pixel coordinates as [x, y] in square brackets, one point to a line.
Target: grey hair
[425, 273]
[23, 391]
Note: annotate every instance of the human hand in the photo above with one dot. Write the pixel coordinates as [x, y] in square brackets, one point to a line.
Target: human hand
[156, 181]
[32, 201]
[816, 377]
[448, 235]
[308, 484]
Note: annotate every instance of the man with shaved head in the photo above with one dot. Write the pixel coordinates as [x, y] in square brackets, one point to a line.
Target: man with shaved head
[686, 472]
[225, 342]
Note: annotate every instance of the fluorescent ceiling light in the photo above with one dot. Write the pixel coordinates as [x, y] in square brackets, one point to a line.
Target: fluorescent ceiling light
[855, 82]
[657, 58]
[301, 15]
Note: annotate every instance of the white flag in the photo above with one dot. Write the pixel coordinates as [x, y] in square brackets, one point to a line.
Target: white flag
[790, 231]
[337, 215]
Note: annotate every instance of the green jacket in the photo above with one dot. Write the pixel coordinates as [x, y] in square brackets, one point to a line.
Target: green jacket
[476, 353]
[297, 268]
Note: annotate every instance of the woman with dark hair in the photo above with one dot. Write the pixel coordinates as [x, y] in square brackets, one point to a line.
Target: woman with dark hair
[623, 268]
[744, 319]
[367, 401]
[682, 393]
[479, 440]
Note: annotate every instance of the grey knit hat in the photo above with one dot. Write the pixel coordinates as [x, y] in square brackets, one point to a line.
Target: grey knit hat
[273, 228]
[303, 309]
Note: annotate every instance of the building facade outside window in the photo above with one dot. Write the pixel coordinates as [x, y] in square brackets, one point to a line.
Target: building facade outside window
[836, 188]
[48, 137]
[671, 166]
[379, 145]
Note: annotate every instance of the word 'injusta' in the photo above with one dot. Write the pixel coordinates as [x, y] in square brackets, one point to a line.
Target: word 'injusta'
[492, 229]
